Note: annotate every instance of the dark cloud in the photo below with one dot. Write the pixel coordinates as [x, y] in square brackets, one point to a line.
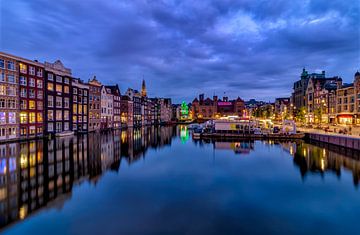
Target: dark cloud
[252, 49]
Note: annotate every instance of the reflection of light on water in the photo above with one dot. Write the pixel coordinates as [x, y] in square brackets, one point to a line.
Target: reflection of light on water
[184, 134]
[23, 161]
[22, 212]
[304, 152]
[123, 137]
[291, 150]
[322, 164]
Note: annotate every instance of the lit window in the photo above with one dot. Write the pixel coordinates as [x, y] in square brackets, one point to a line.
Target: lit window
[66, 115]
[50, 86]
[58, 115]
[58, 88]
[31, 104]
[32, 117]
[23, 68]
[39, 84]
[50, 115]
[66, 89]
[39, 117]
[2, 118]
[23, 117]
[2, 90]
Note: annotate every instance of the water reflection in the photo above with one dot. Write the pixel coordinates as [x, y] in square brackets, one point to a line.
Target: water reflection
[39, 173]
[320, 158]
[240, 147]
[42, 173]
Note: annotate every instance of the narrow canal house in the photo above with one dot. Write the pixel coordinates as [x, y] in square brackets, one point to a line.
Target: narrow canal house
[115, 91]
[9, 100]
[126, 110]
[135, 97]
[31, 86]
[357, 89]
[94, 104]
[80, 94]
[106, 108]
[59, 99]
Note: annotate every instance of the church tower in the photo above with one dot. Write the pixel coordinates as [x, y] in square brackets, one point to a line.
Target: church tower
[143, 89]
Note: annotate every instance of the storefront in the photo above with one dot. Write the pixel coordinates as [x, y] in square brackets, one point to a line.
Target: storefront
[345, 119]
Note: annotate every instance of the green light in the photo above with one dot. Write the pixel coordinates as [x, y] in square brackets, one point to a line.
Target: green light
[184, 110]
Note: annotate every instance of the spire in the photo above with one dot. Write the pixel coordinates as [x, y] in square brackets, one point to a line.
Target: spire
[143, 89]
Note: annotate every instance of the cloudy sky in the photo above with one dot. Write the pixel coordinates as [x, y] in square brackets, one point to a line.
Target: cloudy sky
[246, 48]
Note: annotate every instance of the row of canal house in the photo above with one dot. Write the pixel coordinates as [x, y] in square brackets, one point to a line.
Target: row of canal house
[327, 99]
[38, 99]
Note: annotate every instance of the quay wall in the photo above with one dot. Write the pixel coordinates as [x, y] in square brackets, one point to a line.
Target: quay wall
[343, 141]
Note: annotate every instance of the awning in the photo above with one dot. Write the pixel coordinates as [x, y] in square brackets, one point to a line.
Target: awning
[345, 116]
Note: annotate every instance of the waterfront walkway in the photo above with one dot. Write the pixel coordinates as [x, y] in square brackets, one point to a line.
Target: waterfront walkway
[334, 130]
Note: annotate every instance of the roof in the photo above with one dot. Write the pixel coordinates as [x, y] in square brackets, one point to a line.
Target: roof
[114, 90]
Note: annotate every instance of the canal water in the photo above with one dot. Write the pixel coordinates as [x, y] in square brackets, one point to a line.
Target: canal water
[161, 181]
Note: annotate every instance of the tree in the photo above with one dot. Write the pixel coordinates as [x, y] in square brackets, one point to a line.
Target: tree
[318, 115]
[300, 115]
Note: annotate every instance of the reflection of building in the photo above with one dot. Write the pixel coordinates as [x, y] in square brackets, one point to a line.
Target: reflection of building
[322, 158]
[9, 180]
[9, 101]
[39, 173]
[242, 147]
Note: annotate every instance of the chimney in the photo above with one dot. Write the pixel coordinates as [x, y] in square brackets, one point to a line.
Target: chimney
[201, 97]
